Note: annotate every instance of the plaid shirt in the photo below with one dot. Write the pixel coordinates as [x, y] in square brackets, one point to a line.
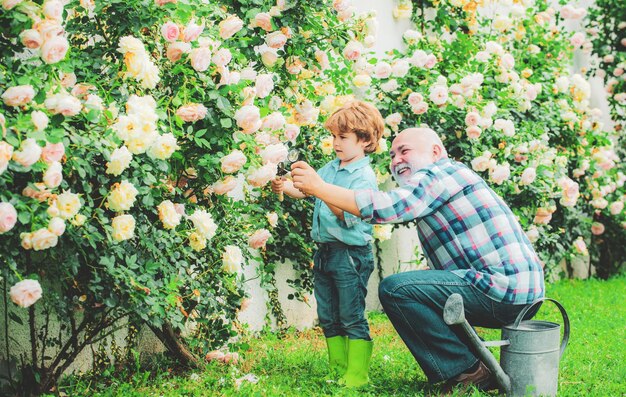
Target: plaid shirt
[464, 227]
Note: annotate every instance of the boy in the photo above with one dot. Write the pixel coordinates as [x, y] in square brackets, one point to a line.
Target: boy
[344, 261]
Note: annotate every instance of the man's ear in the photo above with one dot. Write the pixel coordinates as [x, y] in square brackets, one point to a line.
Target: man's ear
[437, 152]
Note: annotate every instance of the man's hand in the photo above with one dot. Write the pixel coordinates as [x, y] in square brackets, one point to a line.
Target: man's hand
[305, 178]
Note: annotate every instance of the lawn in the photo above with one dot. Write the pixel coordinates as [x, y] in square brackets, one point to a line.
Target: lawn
[594, 363]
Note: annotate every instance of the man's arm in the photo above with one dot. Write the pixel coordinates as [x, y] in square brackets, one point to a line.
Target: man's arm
[309, 182]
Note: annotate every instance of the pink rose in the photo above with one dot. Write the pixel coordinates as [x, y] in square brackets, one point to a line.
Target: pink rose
[275, 153]
[353, 50]
[192, 31]
[26, 292]
[43, 239]
[500, 173]
[28, 154]
[597, 228]
[230, 26]
[415, 98]
[56, 226]
[616, 207]
[170, 31]
[507, 61]
[431, 61]
[53, 9]
[53, 175]
[261, 176]
[224, 186]
[8, 216]
[473, 132]
[272, 219]
[264, 85]
[9, 4]
[528, 176]
[382, 70]
[269, 56]
[230, 358]
[322, 58]
[39, 119]
[580, 246]
[233, 162]
[248, 119]
[263, 20]
[53, 152]
[18, 95]
[54, 49]
[49, 28]
[259, 239]
[472, 119]
[163, 2]
[192, 112]
[222, 57]
[542, 216]
[291, 132]
[67, 79]
[439, 94]
[176, 50]
[577, 39]
[273, 121]
[276, 40]
[64, 104]
[31, 38]
[200, 58]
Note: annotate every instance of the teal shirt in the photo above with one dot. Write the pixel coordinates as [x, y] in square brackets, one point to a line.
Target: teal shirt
[352, 230]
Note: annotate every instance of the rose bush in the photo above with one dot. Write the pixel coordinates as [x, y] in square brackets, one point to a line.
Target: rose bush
[606, 27]
[137, 142]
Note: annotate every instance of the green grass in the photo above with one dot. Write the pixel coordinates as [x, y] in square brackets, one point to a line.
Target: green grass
[594, 363]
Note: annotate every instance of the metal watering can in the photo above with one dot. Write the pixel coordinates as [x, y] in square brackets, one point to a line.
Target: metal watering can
[530, 350]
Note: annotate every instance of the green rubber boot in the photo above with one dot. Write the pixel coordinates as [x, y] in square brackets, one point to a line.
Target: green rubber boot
[337, 355]
[359, 354]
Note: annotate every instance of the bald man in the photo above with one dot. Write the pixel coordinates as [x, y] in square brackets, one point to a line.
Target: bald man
[472, 242]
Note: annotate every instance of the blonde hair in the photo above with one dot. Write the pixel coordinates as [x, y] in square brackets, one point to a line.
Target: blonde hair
[360, 118]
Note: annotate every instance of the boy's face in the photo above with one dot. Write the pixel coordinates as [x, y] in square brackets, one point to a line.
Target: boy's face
[348, 148]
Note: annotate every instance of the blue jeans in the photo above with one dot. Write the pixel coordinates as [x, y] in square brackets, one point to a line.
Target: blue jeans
[414, 303]
[341, 273]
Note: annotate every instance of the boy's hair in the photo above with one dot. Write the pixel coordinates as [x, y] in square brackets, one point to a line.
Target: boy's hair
[360, 118]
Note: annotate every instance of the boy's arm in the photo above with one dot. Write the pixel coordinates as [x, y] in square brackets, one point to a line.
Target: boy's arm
[336, 210]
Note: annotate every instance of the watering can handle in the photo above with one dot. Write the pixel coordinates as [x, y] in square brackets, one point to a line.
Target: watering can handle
[525, 310]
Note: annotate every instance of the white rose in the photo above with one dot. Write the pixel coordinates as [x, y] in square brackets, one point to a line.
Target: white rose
[272, 219]
[232, 259]
[120, 160]
[56, 226]
[204, 224]
[168, 214]
[53, 9]
[123, 227]
[222, 57]
[122, 196]
[248, 119]
[163, 148]
[229, 26]
[197, 241]
[26, 292]
[382, 232]
[68, 204]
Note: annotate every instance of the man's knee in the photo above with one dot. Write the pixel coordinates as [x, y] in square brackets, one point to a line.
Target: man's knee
[388, 287]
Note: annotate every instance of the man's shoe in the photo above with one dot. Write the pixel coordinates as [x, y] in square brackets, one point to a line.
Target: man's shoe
[482, 379]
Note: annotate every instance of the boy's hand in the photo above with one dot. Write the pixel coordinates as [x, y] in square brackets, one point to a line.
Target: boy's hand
[278, 185]
[305, 178]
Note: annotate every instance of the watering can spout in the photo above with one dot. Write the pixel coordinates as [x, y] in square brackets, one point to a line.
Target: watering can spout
[454, 314]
